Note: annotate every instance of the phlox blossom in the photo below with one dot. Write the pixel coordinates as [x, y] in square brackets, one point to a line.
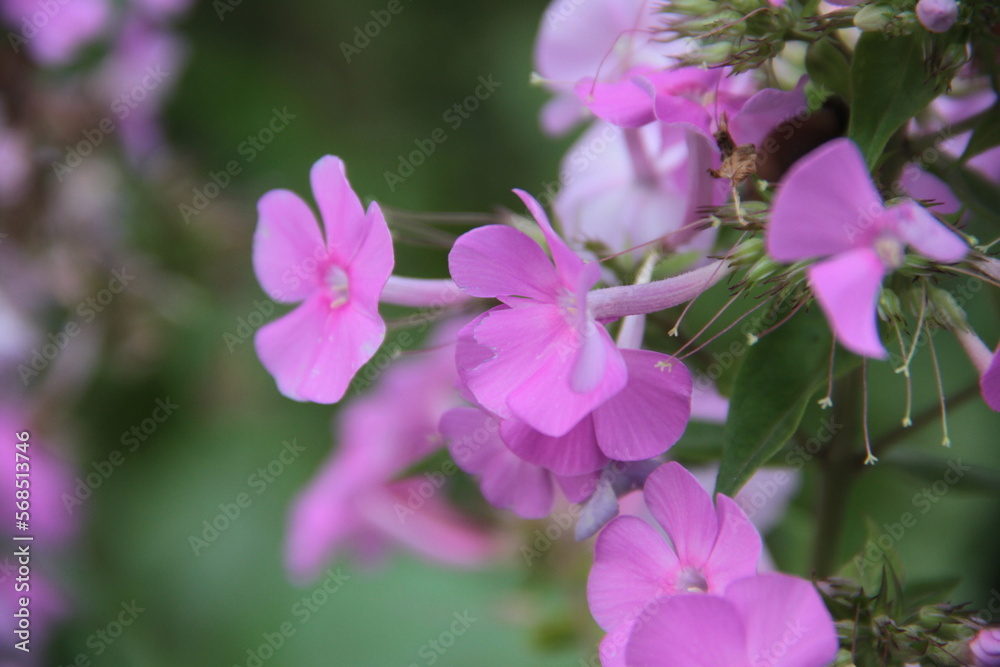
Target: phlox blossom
[541, 356]
[710, 546]
[315, 350]
[827, 206]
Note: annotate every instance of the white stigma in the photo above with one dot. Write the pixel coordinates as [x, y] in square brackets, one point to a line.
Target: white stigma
[336, 279]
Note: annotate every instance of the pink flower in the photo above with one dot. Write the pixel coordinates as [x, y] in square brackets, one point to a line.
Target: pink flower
[710, 547]
[315, 350]
[355, 501]
[625, 187]
[55, 36]
[771, 619]
[937, 15]
[986, 648]
[541, 357]
[827, 206]
[577, 40]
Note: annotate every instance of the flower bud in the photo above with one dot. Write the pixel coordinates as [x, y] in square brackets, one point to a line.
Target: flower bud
[945, 310]
[693, 7]
[937, 15]
[873, 18]
[764, 268]
[716, 53]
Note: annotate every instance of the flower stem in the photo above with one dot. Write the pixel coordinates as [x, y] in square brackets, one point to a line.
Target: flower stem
[422, 292]
[839, 467]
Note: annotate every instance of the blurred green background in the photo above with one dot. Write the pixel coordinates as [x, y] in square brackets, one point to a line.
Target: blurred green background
[211, 609]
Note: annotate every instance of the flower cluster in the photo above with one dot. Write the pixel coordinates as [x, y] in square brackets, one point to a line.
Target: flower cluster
[564, 364]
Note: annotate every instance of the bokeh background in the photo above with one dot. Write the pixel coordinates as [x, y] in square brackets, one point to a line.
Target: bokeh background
[211, 608]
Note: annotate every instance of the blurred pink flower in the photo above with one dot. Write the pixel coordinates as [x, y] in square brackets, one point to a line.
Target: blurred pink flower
[15, 166]
[603, 38]
[355, 499]
[48, 480]
[827, 206]
[986, 648]
[624, 187]
[937, 15]
[52, 32]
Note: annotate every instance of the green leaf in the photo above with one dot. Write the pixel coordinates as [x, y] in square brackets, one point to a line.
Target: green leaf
[889, 85]
[986, 135]
[778, 378]
[829, 67]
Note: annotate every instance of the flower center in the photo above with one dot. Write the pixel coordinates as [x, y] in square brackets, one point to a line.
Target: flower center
[336, 279]
[691, 580]
[890, 251]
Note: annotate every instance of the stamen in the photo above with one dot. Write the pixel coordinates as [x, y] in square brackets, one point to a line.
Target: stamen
[707, 325]
[945, 440]
[870, 459]
[785, 319]
[920, 327]
[907, 416]
[673, 332]
[734, 323]
[827, 401]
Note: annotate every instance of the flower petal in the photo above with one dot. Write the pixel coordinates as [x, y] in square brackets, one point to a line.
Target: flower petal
[826, 204]
[574, 453]
[575, 273]
[765, 111]
[288, 249]
[321, 516]
[685, 510]
[932, 239]
[343, 216]
[507, 481]
[693, 630]
[435, 530]
[508, 345]
[497, 260]
[624, 103]
[561, 391]
[633, 565]
[786, 621]
[314, 351]
[650, 414]
[847, 287]
[737, 547]
[373, 262]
